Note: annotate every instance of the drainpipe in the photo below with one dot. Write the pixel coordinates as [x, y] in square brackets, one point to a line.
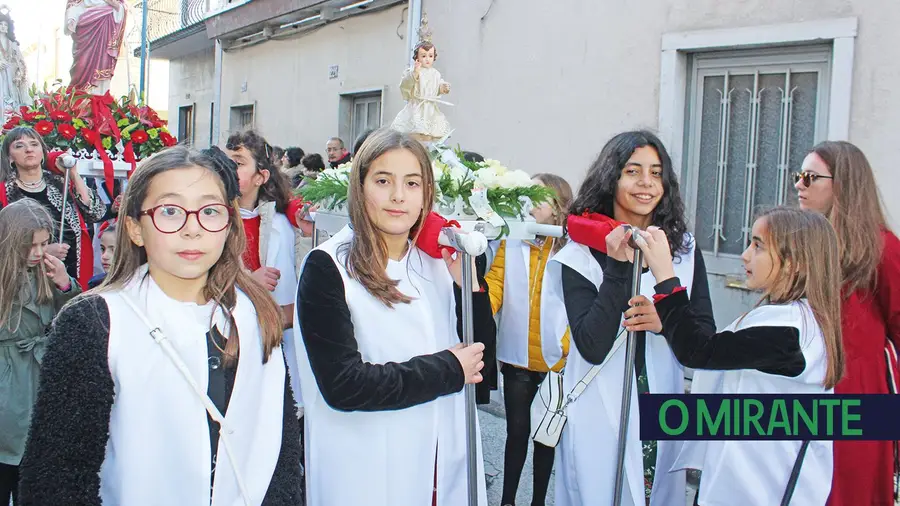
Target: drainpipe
[217, 94]
[412, 28]
[145, 50]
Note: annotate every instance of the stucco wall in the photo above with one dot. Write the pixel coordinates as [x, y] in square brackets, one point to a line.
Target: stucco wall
[540, 85]
[191, 82]
[296, 102]
[544, 87]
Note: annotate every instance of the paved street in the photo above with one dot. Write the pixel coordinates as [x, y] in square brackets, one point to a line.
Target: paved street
[493, 436]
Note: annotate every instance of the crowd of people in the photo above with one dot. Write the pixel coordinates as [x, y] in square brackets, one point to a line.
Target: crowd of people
[185, 343]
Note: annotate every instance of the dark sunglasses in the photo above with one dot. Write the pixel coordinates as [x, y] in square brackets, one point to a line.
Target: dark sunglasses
[808, 178]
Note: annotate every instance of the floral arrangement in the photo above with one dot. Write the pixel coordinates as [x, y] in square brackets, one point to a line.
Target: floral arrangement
[69, 119]
[328, 189]
[509, 193]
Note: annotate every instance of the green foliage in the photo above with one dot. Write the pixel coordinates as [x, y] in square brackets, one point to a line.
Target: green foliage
[326, 191]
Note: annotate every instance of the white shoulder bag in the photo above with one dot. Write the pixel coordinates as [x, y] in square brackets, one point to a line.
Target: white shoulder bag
[548, 410]
[157, 334]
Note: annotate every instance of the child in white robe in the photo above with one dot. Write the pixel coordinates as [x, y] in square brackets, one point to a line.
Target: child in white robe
[790, 343]
[117, 420]
[382, 367]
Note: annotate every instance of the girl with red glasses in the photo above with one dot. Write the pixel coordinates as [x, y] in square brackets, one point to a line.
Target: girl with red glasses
[167, 384]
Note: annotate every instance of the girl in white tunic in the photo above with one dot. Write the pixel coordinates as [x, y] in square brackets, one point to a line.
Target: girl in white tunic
[116, 421]
[789, 344]
[632, 181]
[270, 253]
[514, 282]
[382, 367]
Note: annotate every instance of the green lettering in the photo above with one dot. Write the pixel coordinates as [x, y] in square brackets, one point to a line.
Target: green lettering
[779, 418]
[829, 404]
[847, 417]
[662, 417]
[704, 419]
[737, 417]
[811, 423]
[752, 418]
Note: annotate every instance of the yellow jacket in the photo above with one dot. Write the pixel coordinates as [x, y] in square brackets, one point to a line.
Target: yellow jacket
[498, 285]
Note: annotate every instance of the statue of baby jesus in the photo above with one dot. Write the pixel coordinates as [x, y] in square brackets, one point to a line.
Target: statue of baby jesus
[421, 86]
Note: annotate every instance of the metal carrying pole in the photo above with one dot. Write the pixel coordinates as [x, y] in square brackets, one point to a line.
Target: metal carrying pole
[630, 352]
[468, 340]
[62, 221]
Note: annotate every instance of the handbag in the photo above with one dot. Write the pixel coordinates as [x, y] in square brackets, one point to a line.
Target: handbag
[157, 334]
[548, 409]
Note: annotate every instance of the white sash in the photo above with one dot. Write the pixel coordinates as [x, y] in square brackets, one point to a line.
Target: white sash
[587, 462]
[386, 458]
[158, 450]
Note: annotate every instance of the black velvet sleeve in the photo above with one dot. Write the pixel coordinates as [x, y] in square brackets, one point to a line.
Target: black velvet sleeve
[485, 330]
[70, 424]
[770, 349]
[347, 382]
[595, 314]
[285, 489]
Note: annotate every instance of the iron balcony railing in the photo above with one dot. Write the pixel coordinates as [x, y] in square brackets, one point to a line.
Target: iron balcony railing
[169, 16]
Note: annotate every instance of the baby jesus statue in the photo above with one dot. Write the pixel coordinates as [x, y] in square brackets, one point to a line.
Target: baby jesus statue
[421, 86]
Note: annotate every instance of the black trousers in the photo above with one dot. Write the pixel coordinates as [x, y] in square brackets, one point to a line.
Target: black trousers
[519, 388]
[9, 484]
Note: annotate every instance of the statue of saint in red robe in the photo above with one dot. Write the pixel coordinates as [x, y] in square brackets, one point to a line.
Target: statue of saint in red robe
[97, 28]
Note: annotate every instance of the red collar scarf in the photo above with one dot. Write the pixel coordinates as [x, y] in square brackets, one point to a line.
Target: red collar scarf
[591, 229]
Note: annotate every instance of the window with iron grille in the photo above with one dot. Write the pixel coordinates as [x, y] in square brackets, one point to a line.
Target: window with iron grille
[242, 118]
[752, 118]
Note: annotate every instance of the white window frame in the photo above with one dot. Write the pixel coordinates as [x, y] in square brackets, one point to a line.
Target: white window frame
[674, 73]
[771, 62]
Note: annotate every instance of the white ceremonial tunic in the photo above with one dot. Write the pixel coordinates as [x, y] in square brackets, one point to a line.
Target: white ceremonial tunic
[586, 455]
[387, 458]
[755, 473]
[276, 249]
[159, 449]
[514, 317]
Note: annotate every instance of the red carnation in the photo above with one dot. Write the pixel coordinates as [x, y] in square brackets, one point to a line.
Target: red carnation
[66, 131]
[29, 116]
[43, 127]
[90, 136]
[139, 136]
[167, 139]
[60, 116]
[12, 123]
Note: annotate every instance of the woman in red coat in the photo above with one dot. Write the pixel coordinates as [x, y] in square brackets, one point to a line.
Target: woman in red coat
[837, 180]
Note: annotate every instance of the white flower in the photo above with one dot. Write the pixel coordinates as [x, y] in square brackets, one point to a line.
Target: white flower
[340, 173]
[460, 173]
[516, 179]
[438, 167]
[488, 177]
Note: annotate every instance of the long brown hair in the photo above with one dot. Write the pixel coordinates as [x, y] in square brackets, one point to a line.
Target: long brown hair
[226, 274]
[806, 247]
[367, 255]
[277, 188]
[856, 213]
[18, 223]
[562, 199]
